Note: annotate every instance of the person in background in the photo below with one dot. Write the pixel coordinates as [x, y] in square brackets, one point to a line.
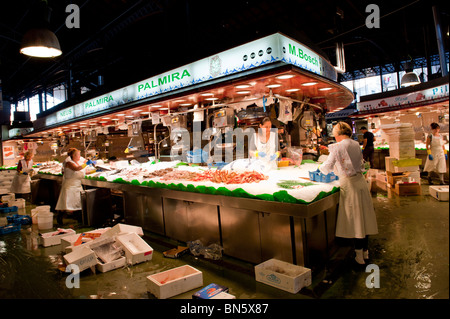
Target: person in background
[368, 148]
[69, 198]
[264, 144]
[356, 217]
[437, 154]
[21, 184]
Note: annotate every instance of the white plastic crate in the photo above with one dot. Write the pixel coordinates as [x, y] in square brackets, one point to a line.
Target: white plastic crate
[175, 281]
[136, 249]
[283, 275]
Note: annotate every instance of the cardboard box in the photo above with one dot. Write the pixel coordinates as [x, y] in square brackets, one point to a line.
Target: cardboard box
[136, 249]
[404, 189]
[441, 193]
[283, 275]
[176, 252]
[84, 258]
[209, 291]
[223, 295]
[175, 281]
[105, 267]
[54, 238]
[121, 229]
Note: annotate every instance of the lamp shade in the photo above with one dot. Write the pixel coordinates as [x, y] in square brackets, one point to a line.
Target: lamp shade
[409, 79]
[41, 43]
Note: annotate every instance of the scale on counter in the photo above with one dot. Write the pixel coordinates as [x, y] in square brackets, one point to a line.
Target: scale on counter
[223, 118]
[223, 122]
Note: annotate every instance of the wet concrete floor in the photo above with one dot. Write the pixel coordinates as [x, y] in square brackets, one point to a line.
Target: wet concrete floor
[411, 253]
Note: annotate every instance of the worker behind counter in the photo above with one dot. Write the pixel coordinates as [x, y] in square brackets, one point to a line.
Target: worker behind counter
[69, 200]
[263, 144]
[21, 184]
[368, 147]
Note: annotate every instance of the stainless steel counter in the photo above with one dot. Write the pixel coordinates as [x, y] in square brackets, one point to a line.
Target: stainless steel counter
[249, 229]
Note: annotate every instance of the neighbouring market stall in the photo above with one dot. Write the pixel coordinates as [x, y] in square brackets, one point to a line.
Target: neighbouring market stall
[419, 105]
[134, 133]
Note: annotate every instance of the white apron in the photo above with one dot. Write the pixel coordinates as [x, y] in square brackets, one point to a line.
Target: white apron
[356, 216]
[70, 195]
[438, 163]
[270, 148]
[21, 184]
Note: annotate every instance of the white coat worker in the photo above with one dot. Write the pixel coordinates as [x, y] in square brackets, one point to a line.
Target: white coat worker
[356, 217]
[70, 196]
[437, 154]
[264, 144]
[21, 184]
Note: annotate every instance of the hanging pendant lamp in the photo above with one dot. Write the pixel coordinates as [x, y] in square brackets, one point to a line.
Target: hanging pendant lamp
[409, 79]
[40, 42]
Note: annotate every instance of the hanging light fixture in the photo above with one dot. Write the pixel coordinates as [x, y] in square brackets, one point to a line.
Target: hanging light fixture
[409, 79]
[39, 41]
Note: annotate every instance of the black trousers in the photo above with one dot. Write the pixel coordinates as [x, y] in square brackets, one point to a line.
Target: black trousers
[368, 155]
[361, 243]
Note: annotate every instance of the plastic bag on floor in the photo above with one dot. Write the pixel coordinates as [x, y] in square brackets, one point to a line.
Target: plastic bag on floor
[213, 251]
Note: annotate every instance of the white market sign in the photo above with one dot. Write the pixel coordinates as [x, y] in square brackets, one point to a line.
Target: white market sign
[270, 49]
[431, 94]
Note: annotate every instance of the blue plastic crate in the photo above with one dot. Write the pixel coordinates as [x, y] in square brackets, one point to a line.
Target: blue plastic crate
[9, 229]
[317, 176]
[19, 219]
[11, 209]
[197, 156]
[218, 165]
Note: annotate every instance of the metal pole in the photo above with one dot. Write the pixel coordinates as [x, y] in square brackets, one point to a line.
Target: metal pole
[440, 42]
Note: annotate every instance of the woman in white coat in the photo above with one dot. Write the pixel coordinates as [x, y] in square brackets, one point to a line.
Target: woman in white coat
[264, 144]
[21, 184]
[356, 217]
[437, 154]
[69, 198]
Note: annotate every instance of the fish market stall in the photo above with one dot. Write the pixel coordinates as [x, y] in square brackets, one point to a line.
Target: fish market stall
[177, 147]
[253, 216]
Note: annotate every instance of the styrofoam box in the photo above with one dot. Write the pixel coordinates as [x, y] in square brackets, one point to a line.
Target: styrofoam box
[441, 193]
[136, 249]
[175, 281]
[123, 229]
[8, 197]
[399, 169]
[84, 258]
[49, 239]
[67, 242]
[283, 275]
[118, 263]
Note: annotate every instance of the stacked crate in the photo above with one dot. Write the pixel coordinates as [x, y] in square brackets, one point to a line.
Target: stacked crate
[402, 162]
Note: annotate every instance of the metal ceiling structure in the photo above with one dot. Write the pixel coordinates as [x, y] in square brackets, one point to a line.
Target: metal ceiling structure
[124, 41]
